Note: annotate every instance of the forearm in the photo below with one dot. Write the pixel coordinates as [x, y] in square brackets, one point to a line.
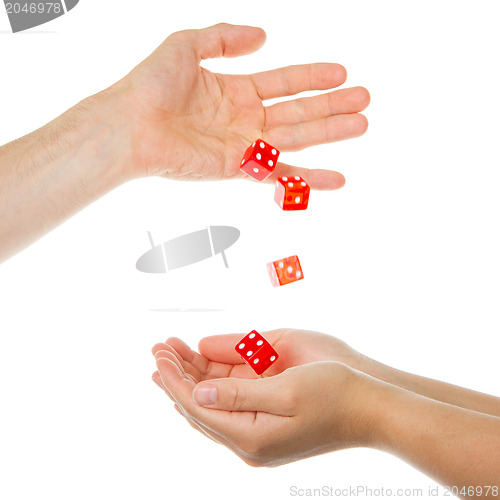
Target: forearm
[52, 173]
[434, 389]
[455, 446]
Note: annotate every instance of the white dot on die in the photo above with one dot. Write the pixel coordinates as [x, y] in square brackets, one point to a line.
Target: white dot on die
[281, 265]
[241, 346]
[249, 353]
[251, 336]
[289, 269]
[273, 151]
[270, 163]
[256, 170]
[298, 274]
[297, 178]
[272, 358]
[258, 156]
[297, 199]
[290, 184]
[303, 184]
[262, 145]
[285, 179]
[260, 342]
[255, 361]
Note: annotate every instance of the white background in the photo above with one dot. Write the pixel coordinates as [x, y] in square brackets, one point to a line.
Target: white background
[402, 263]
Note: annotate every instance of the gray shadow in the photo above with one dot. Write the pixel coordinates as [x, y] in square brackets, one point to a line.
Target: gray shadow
[188, 249]
[27, 33]
[194, 309]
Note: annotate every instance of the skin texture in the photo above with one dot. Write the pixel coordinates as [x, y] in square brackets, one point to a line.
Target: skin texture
[172, 118]
[321, 396]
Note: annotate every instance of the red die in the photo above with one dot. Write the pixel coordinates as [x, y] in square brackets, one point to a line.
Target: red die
[292, 193]
[257, 352]
[260, 160]
[285, 271]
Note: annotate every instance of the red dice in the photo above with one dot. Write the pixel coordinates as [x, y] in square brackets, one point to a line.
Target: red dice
[257, 352]
[292, 193]
[260, 160]
[285, 271]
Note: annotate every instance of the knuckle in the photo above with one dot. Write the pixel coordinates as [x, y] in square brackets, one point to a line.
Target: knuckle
[331, 103]
[294, 139]
[290, 400]
[300, 109]
[238, 397]
[181, 36]
[178, 35]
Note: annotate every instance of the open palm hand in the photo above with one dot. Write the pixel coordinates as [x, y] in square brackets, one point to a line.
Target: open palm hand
[191, 124]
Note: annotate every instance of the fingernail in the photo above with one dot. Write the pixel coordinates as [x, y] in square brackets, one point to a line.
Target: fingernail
[205, 395]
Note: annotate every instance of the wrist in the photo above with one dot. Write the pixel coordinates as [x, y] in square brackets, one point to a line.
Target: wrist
[83, 151]
[373, 368]
[56, 171]
[376, 369]
[355, 413]
[363, 400]
[52, 173]
[101, 137]
[372, 408]
[386, 407]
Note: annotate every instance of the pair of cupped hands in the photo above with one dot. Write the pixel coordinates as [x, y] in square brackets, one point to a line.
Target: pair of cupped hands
[314, 399]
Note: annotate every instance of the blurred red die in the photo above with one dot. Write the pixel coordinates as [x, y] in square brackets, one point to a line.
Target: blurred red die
[285, 271]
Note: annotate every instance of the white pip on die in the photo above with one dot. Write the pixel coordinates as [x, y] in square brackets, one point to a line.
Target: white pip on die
[257, 352]
[259, 160]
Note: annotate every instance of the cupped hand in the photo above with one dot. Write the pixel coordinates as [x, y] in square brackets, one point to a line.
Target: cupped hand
[295, 347]
[218, 358]
[185, 122]
[302, 412]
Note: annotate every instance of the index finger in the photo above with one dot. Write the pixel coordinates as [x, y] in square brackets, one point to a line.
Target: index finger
[291, 80]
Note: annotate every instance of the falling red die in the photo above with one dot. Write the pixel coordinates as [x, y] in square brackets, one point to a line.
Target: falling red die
[292, 193]
[257, 352]
[285, 271]
[259, 160]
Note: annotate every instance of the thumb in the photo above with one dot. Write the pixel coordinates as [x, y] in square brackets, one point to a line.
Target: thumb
[223, 40]
[269, 395]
